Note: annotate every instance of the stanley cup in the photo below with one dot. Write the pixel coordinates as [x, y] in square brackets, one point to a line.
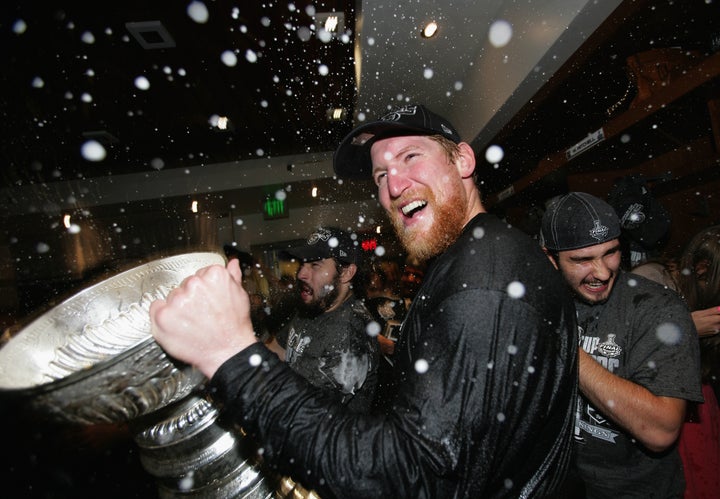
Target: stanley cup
[92, 360]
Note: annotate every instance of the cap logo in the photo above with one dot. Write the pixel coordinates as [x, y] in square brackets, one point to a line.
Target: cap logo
[445, 129]
[633, 216]
[320, 235]
[599, 231]
[399, 113]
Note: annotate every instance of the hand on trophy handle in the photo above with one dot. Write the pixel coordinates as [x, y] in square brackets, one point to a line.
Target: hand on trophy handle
[205, 320]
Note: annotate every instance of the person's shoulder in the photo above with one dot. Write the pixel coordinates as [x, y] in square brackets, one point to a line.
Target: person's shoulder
[646, 293]
[648, 267]
[352, 310]
[638, 282]
[489, 255]
[657, 272]
[493, 232]
[490, 244]
[358, 309]
[481, 223]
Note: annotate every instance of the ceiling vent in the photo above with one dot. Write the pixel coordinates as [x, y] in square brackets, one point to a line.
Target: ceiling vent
[101, 136]
[151, 35]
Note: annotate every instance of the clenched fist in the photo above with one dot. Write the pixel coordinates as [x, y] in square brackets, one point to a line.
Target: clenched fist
[206, 320]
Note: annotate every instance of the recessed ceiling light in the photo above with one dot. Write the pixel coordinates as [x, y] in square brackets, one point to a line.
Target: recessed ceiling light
[430, 29]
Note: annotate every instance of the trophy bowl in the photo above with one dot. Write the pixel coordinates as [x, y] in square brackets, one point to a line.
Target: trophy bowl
[92, 358]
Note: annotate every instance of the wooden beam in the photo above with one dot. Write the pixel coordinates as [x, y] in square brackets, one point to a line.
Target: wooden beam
[696, 76]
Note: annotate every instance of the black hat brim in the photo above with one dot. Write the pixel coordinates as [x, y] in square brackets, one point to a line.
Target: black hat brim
[353, 160]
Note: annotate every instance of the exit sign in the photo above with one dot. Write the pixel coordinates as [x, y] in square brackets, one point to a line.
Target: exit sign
[274, 208]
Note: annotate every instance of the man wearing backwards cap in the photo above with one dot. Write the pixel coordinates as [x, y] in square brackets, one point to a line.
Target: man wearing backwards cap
[486, 363]
[327, 341]
[638, 360]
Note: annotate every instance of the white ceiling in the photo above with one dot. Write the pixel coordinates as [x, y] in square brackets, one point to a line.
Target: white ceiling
[478, 86]
[495, 82]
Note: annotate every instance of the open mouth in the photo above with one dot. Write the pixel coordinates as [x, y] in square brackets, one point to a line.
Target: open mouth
[413, 207]
[595, 286]
[305, 290]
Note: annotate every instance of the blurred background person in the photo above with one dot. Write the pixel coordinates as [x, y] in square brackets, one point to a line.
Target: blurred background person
[696, 277]
[328, 341]
[257, 282]
[644, 221]
[385, 304]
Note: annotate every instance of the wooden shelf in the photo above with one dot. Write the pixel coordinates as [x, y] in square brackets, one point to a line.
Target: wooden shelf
[696, 76]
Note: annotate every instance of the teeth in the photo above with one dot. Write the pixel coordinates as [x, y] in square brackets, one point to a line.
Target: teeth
[412, 206]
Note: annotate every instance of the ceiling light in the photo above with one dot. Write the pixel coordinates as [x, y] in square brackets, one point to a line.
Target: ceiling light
[194, 207]
[430, 29]
[336, 114]
[314, 192]
[221, 123]
[331, 22]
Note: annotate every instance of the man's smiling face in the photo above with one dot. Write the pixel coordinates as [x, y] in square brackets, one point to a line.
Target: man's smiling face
[591, 272]
[422, 192]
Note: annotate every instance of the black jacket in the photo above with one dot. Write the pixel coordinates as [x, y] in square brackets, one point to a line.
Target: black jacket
[487, 383]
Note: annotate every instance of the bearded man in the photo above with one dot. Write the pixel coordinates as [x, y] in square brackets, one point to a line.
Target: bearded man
[330, 341]
[486, 362]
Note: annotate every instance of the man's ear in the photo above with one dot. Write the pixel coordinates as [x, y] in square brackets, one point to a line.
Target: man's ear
[348, 272]
[551, 257]
[466, 160]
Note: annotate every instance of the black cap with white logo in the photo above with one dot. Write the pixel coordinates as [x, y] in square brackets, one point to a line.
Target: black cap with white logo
[352, 158]
[325, 242]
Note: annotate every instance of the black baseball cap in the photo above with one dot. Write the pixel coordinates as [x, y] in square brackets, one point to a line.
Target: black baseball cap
[325, 242]
[644, 220]
[577, 220]
[352, 157]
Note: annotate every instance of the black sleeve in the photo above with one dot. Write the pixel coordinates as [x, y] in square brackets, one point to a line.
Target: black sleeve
[282, 335]
[302, 430]
[444, 414]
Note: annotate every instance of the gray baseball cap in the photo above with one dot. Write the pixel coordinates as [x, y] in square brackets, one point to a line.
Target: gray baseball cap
[577, 220]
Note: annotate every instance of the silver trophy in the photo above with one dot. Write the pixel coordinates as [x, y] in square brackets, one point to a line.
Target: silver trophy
[92, 360]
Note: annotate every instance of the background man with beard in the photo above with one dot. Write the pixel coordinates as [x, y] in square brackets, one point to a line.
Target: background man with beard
[486, 361]
[327, 341]
[638, 357]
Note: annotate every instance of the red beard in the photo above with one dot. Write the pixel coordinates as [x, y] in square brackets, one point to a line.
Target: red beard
[448, 223]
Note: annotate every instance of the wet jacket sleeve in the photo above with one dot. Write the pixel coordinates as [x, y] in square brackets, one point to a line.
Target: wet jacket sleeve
[443, 417]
